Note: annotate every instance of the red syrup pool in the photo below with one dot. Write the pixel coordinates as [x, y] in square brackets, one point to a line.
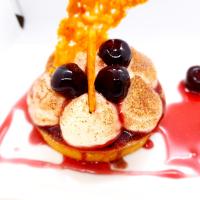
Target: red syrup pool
[180, 128]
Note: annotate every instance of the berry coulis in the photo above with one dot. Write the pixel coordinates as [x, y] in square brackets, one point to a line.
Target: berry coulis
[180, 129]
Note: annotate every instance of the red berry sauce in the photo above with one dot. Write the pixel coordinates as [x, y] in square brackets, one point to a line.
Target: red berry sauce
[149, 144]
[180, 128]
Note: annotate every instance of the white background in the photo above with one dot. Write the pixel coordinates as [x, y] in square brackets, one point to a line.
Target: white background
[168, 31]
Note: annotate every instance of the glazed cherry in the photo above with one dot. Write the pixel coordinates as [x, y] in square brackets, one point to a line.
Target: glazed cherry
[113, 83]
[115, 52]
[192, 81]
[69, 80]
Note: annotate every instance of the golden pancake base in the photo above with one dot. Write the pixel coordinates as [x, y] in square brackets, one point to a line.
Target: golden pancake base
[104, 155]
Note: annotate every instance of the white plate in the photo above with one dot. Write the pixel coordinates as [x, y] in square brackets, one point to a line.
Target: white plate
[167, 31]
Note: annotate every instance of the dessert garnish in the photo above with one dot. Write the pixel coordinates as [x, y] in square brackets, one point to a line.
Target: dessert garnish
[99, 15]
[91, 58]
[99, 100]
[85, 29]
[69, 80]
[113, 83]
[192, 81]
[115, 52]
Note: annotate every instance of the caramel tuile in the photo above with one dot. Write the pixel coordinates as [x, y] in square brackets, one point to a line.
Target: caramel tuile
[91, 56]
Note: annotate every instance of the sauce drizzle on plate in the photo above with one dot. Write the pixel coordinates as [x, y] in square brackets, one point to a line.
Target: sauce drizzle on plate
[180, 128]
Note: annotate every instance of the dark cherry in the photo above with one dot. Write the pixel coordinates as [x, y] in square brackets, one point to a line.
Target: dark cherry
[115, 52]
[113, 83]
[192, 81]
[69, 80]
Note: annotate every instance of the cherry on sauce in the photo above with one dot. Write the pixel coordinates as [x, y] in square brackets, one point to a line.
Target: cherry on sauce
[192, 81]
[115, 52]
[113, 83]
[69, 80]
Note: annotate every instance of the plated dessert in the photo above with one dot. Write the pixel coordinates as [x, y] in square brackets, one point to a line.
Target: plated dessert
[129, 104]
[98, 99]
